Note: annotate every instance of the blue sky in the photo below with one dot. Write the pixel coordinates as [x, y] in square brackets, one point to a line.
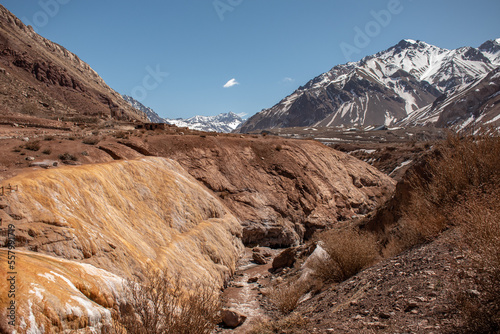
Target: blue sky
[177, 55]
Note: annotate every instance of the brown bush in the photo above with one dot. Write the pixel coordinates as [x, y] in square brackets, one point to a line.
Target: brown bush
[286, 296]
[459, 186]
[349, 251]
[158, 303]
[67, 157]
[122, 135]
[33, 146]
[292, 323]
[479, 219]
[459, 165]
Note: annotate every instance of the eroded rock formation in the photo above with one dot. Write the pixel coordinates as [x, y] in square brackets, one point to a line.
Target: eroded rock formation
[282, 190]
[80, 230]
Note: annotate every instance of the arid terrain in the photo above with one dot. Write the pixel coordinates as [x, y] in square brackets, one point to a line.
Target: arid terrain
[112, 224]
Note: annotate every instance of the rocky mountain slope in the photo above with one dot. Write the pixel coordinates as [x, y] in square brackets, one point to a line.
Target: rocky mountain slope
[380, 89]
[79, 231]
[150, 113]
[467, 107]
[41, 78]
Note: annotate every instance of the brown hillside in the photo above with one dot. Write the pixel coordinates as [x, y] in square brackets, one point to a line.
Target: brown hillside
[41, 78]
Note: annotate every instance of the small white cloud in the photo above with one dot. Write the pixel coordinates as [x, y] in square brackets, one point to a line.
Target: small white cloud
[231, 83]
[242, 114]
[287, 79]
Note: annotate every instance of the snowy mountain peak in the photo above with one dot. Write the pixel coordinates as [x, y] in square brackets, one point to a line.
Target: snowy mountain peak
[150, 113]
[225, 122]
[380, 89]
[412, 41]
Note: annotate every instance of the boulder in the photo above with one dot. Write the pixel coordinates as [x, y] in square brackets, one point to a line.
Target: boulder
[232, 318]
[286, 258]
[259, 258]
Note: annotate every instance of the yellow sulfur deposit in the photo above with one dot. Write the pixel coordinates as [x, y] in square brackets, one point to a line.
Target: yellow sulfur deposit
[80, 230]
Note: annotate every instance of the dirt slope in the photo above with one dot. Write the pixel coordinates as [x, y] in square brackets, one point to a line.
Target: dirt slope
[41, 78]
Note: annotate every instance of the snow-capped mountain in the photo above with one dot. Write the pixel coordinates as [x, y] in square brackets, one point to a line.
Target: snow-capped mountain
[380, 89]
[150, 113]
[226, 122]
[467, 107]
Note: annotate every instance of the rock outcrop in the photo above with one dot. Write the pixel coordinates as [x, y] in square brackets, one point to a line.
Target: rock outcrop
[282, 190]
[80, 230]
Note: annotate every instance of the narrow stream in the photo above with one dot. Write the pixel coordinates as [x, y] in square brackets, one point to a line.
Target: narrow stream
[243, 295]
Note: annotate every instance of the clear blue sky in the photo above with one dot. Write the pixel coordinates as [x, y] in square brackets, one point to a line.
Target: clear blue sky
[270, 47]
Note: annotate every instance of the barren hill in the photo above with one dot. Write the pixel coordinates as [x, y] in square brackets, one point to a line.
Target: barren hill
[41, 78]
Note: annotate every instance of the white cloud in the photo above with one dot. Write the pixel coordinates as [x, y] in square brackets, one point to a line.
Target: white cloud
[287, 79]
[242, 114]
[231, 83]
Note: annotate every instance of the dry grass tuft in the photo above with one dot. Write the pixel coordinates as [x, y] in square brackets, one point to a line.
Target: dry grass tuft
[286, 296]
[349, 251]
[293, 323]
[459, 186]
[459, 166]
[479, 219]
[33, 146]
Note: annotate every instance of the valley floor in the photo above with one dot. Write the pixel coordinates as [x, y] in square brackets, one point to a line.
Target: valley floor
[414, 292]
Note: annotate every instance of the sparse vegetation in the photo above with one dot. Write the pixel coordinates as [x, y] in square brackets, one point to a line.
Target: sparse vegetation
[458, 186]
[47, 151]
[159, 303]
[67, 157]
[289, 324]
[479, 219]
[349, 251]
[49, 138]
[122, 135]
[459, 166]
[286, 296]
[29, 108]
[33, 146]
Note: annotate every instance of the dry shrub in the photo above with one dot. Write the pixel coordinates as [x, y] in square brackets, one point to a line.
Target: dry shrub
[349, 251]
[479, 219]
[293, 323]
[286, 296]
[122, 135]
[159, 303]
[460, 186]
[67, 157]
[459, 165]
[33, 146]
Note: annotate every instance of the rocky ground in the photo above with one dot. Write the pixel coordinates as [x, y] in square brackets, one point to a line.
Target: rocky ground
[414, 292]
[410, 293]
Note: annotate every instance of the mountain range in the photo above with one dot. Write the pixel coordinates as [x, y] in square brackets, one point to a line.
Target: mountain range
[395, 85]
[225, 122]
